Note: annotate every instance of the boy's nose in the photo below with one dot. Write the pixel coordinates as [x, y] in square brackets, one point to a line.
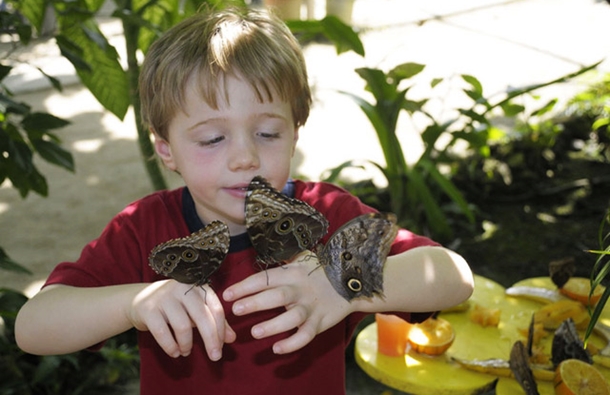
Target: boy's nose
[244, 156]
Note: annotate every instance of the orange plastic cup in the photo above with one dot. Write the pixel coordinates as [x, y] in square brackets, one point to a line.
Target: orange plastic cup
[392, 333]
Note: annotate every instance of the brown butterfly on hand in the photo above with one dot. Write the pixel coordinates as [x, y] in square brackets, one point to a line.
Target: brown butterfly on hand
[192, 259]
[354, 256]
[280, 227]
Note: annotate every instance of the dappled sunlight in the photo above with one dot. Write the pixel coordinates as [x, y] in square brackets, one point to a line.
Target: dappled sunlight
[87, 146]
[93, 180]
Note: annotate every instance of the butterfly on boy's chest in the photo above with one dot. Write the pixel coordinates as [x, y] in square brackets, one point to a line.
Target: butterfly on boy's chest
[280, 227]
[192, 259]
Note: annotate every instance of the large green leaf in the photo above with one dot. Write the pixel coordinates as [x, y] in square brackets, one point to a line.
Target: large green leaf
[106, 79]
[342, 35]
[33, 11]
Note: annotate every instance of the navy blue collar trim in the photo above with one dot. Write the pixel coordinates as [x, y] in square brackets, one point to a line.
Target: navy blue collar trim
[194, 223]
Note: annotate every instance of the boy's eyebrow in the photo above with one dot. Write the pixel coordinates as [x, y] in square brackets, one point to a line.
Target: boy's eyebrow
[222, 119]
[205, 121]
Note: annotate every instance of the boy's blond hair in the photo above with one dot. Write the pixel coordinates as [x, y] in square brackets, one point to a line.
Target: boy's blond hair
[249, 44]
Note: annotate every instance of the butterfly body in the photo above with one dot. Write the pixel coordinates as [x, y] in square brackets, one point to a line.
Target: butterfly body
[280, 227]
[354, 256]
[192, 259]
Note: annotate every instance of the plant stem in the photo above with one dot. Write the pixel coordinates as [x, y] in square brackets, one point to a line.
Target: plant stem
[131, 32]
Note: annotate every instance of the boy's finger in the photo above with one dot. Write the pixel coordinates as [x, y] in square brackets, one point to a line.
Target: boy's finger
[163, 336]
[182, 327]
[300, 339]
[250, 285]
[284, 322]
[265, 300]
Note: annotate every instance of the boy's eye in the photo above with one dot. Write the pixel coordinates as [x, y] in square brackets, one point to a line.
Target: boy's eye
[269, 135]
[211, 141]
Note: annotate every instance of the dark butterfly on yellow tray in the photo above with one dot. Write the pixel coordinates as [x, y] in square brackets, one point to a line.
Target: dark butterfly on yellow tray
[280, 227]
[354, 256]
[192, 259]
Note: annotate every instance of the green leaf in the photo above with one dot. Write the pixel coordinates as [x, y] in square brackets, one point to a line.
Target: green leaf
[511, 109]
[545, 109]
[477, 88]
[377, 84]
[10, 106]
[474, 116]
[4, 71]
[448, 187]
[599, 123]
[6, 263]
[405, 71]
[54, 154]
[435, 82]
[342, 35]
[436, 219]
[54, 81]
[72, 52]
[43, 121]
[333, 175]
[33, 11]
[107, 81]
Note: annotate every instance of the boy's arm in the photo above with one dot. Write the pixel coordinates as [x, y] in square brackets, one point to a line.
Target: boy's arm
[422, 279]
[62, 319]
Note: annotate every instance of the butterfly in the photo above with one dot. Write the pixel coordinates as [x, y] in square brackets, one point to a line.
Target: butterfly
[192, 259]
[354, 256]
[280, 227]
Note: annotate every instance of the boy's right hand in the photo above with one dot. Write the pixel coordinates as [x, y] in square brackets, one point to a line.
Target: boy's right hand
[170, 313]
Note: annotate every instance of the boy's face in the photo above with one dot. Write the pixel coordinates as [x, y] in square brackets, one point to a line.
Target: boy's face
[218, 151]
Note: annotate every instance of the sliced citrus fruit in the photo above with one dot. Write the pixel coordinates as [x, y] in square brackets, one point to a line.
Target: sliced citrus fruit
[391, 334]
[552, 315]
[485, 316]
[579, 288]
[433, 336]
[575, 377]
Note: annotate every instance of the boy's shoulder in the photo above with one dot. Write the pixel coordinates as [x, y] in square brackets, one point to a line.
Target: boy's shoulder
[156, 203]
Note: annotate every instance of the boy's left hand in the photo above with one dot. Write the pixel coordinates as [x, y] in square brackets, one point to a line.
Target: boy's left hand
[312, 305]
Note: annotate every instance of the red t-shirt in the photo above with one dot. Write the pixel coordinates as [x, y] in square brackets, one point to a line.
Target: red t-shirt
[248, 366]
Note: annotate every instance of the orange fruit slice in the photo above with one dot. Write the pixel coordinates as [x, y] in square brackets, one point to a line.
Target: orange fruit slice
[575, 377]
[578, 288]
[433, 336]
[485, 316]
[391, 334]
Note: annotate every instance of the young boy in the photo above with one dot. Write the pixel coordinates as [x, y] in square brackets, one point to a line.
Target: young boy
[225, 95]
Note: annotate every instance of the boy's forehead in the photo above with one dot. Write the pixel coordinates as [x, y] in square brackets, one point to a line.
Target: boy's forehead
[218, 90]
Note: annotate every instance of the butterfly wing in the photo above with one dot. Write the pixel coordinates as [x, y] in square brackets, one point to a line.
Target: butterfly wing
[280, 227]
[355, 254]
[192, 259]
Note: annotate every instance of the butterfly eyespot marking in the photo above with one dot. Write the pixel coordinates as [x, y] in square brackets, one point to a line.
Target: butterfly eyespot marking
[347, 256]
[285, 226]
[354, 284]
[189, 255]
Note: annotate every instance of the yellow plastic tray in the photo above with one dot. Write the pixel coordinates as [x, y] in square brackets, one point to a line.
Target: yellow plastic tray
[423, 375]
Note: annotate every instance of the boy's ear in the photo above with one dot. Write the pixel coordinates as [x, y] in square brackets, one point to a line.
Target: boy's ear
[164, 151]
